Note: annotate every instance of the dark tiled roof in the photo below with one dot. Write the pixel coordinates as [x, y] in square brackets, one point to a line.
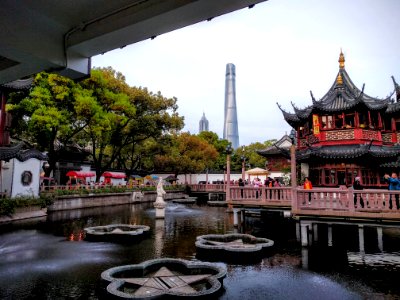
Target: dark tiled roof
[7, 153]
[31, 153]
[343, 96]
[277, 148]
[16, 151]
[21, 84]
[348, 151]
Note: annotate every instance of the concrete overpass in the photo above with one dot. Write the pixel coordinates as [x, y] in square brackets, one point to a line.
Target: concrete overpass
[61, 36]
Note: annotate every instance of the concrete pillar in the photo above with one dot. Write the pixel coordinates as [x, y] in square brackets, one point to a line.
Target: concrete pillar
[235, 217]
[330, 243]
[298, 234]
[380, 238]
[242, 216]
[315, 232]
[304, 234]
[361, 238]
[304, 258]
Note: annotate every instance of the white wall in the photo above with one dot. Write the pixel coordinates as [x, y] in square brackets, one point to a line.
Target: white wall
[6, 176]
[32, 165]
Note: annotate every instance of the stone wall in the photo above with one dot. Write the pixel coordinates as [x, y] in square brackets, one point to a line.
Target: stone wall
[96, 200]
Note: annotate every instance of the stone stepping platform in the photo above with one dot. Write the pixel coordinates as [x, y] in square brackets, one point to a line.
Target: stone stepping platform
[116, 233]
[235, 247]
[163, 277]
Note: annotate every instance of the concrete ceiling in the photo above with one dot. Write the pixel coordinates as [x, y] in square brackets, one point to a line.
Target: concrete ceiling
[61, 36]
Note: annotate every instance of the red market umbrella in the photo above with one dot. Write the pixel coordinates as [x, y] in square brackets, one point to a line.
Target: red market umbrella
[118, 175]
[81, 174]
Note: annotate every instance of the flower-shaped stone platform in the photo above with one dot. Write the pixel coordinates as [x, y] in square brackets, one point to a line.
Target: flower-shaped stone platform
[163, 277]
[236, 247]
[116, 232]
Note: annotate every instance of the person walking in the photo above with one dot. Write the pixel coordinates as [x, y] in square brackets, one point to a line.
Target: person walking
[257, 184]
[394, 185]
[357, 186]
[307, 186]
[241, 184]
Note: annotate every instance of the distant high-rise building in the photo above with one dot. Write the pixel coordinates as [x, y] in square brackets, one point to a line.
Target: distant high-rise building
[203, 124]
[231, 132]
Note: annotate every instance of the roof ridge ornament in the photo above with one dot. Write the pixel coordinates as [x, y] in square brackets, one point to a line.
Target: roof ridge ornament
[312, 97]
[341, 60]
[339, 79]
[397, 89]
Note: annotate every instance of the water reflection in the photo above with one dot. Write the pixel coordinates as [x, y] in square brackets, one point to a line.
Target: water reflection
[49, 259]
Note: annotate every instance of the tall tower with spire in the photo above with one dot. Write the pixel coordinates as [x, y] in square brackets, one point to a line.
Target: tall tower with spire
[203, 124]
[231, 132]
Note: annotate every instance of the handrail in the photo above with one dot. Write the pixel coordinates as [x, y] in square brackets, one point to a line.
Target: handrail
[340, 202]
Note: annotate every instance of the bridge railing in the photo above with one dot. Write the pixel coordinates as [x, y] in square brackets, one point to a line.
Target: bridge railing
[347, 199]
[207, 187]
[262, 195]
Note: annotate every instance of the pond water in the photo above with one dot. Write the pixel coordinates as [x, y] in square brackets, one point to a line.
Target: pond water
[49, 259]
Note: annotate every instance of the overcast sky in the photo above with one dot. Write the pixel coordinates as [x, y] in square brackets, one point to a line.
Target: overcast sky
[282, 49]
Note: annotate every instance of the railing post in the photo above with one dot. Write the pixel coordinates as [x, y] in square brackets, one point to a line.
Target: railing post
[293, 176]
[351, 200]
[263, 191]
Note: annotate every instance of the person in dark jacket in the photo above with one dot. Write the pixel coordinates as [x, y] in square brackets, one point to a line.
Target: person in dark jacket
[357, 186]
[394, 185]
[241, 184]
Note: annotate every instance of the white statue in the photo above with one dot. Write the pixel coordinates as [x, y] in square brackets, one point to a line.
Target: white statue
[160, 203]
[160, 190]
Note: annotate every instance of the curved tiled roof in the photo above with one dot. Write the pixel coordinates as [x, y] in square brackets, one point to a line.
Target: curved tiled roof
[16, 151]
[20, 84]
[30, 153]
[348, 151]
[277, 148]
[343, 95]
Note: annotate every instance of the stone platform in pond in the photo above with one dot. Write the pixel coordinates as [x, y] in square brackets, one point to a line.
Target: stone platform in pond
[119, 233]
[190, 200]
[235, 247]
[167, 277]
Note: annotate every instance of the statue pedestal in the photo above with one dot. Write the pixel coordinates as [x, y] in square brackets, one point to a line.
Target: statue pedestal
[160, 208]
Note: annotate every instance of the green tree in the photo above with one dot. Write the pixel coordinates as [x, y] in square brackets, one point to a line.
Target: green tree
[188, 154]
[109, 119]
[47, 113]
[156, 118]
[220, 145]
[250, 153]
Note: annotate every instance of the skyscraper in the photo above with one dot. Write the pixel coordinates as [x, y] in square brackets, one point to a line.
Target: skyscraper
[230, 114]
[203, 124]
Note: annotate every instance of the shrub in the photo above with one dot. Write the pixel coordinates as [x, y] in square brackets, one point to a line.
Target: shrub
[8, 205]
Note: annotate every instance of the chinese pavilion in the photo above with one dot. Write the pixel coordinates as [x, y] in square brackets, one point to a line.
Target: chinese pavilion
[278, 157]
[347, 134]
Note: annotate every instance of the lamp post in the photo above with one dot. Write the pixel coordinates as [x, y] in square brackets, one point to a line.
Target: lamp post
[228, 172]
[243, 158]
[293, 170]
[248, 167]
